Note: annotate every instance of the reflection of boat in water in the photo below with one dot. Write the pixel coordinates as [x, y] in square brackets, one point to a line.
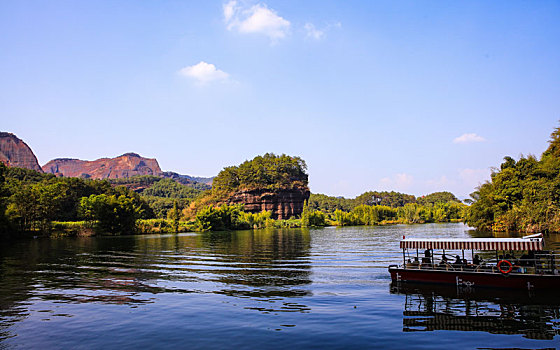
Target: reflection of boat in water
[534, 269]
[430, 308]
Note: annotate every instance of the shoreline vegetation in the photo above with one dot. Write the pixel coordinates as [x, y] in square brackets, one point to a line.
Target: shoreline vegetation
[522, 195]
[232, 217]
[38, 204]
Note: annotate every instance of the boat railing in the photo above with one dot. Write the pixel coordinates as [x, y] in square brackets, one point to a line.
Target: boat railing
[536, 263]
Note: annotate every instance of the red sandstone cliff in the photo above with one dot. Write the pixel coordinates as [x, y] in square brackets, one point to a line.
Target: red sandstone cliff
[16, 153]
[127, 165]
[283, 203]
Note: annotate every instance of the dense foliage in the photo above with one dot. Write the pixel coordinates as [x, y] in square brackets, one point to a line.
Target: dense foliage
[437, 197]
[522, 195]
[329, 204]
[230, 217]
[31, 201]
[168, 188]
[162, 193]
[410, 213]
[233, 217]
[116, 214]
[374, 208]
[269, 171]
[35, 202]
[390, 199]
[313, 218]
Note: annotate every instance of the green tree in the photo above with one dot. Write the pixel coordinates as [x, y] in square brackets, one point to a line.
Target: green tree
[174, 215]
[522, 195]
[312, 218]
[115, 214]
[269, 171]
[391, 199]
[438, 197]
[4, 197]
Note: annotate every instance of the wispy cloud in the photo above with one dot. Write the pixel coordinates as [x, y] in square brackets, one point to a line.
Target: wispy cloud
[469, 138]
[203, 72]
[312, 32]
[256, 19]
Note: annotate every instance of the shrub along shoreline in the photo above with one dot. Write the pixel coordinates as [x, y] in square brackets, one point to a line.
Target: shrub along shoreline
[232, 217]
[39, 204]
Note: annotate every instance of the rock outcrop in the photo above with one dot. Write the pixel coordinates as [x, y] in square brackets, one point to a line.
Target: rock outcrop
[283, 204]
[127, 165]
[16, 153]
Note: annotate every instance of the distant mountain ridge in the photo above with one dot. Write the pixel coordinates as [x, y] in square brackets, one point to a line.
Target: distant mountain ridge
[16, 153]
[123, 166]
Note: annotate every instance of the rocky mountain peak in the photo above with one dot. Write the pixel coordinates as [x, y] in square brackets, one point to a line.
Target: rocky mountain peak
[124, 166]
[16, 153]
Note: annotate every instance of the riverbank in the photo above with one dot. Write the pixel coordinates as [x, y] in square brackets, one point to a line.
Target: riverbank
[166, 226]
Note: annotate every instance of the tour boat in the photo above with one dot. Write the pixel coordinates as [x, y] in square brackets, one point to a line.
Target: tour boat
[493, 263]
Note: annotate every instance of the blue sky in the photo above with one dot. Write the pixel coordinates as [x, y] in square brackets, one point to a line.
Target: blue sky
[413, 96]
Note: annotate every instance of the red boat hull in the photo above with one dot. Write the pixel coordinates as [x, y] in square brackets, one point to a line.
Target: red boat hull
[475, 279]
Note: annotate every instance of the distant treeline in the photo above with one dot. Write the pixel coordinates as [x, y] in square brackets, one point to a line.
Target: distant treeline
[161, 193]
[32, 201]
[522, 195]
[37, 203]
[232, 217]
[330, 204]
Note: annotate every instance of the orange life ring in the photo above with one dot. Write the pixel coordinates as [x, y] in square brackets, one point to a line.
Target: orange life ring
[505, 262]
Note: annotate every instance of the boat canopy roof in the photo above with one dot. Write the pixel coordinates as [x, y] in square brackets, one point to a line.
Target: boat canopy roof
[533, 242]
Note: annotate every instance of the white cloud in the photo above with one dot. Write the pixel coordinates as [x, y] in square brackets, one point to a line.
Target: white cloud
[257, 19]
[229, 10]
[204, 72]
[312, 32]
[469, 138]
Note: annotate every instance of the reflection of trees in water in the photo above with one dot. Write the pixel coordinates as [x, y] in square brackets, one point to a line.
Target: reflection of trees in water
[263, 265]
[260, 265]
[430, 308]
[266, 265]
[77, 270]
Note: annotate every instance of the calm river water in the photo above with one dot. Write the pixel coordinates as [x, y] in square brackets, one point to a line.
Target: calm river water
[269, 289]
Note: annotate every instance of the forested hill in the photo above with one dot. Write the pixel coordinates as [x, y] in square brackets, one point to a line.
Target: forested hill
[275, 183]
[329, 204]
[163, 193]
[263, 172]
[522, 195]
